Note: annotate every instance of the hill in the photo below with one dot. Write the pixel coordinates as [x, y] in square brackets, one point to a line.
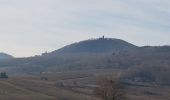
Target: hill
[81, 55]
[101, 45]
[148, 63]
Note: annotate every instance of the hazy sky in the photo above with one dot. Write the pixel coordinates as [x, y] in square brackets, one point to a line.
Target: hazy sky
[30, 27]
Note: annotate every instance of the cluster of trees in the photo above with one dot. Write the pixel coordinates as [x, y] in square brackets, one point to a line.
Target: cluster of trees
[156, 72]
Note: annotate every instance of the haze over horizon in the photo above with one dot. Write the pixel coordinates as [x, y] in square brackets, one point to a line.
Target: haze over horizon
[31, 27]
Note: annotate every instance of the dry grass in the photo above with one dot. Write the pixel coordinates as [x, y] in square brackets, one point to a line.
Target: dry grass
[34, 88]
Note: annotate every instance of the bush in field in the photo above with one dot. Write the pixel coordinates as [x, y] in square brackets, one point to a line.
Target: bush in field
[44, 78]
[109, 89]
[59, 84]
[3, 75]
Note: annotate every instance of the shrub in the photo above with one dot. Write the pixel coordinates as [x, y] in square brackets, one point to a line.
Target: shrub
[3, 75]
[109, 89]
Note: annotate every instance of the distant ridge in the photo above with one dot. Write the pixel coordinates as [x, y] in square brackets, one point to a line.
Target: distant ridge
[5, 56]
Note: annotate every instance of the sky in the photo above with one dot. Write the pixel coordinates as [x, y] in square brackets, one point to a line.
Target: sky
[31, 27]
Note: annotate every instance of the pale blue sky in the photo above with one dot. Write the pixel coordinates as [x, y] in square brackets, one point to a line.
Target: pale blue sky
[30, 27]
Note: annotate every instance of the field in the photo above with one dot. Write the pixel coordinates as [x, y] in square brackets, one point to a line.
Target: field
[73, 85]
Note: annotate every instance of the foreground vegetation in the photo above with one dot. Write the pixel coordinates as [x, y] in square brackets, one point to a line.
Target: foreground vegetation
[75, 86]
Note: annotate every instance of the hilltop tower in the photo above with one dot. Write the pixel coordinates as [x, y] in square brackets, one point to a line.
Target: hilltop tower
[103, 37]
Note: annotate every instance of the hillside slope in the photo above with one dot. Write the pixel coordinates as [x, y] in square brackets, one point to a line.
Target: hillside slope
[5, 56]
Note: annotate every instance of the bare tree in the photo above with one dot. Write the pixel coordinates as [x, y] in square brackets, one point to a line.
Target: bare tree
[109, 89]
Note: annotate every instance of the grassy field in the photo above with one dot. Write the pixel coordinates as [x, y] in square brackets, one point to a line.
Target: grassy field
[72, 86]
[9, 91]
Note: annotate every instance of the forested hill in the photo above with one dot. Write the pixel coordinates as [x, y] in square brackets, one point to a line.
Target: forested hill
[101, 45]
[147, 62]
